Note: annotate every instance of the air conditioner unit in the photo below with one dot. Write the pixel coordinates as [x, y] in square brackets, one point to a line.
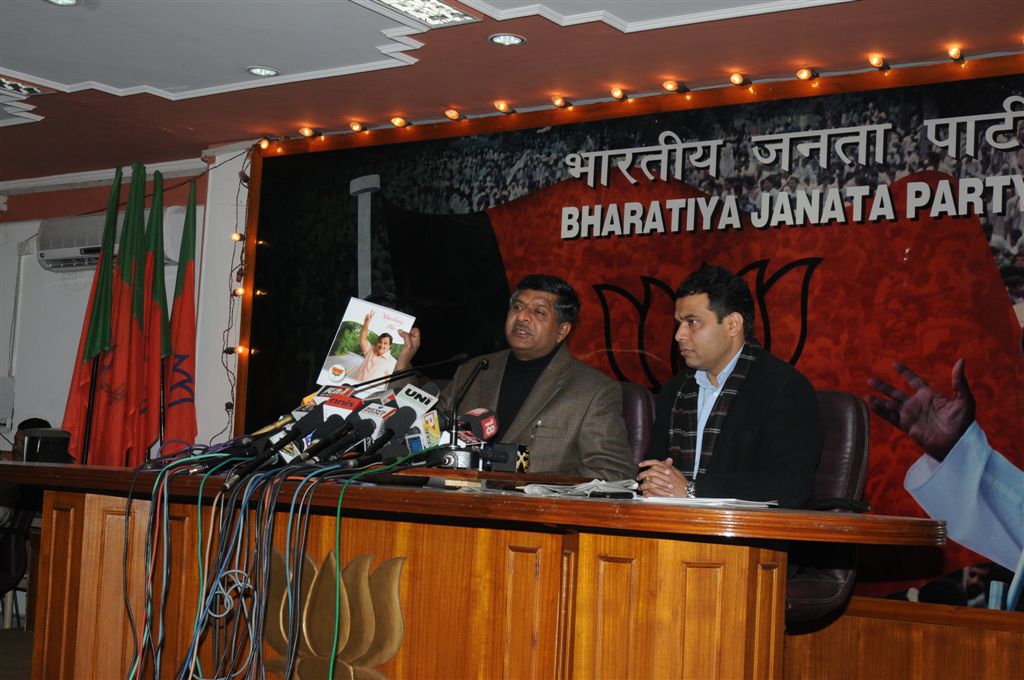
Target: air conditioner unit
[70, 244]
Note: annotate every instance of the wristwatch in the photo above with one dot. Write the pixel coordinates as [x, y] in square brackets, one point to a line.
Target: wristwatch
[691, 489]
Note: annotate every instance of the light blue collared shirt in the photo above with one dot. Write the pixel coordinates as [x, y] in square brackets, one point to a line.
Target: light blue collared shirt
[707, 395]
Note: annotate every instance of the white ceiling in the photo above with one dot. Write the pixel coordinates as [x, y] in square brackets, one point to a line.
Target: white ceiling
[156, 80]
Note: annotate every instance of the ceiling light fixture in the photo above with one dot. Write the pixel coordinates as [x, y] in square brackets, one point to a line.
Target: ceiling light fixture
[739, 80]
[806, 74]
[264, 143]
[674, 86]
[618, 93]
[955, 53]
[503, 106]
[355, 126]
[452, 114]
[433, 13]
[879, 62]
[263, 71]
[398, 121]
[559, 101]
[506, 39]
[63, 3]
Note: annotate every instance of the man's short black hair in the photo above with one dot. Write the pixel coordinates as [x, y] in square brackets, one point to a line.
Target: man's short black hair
[727, 293]
[386, 335]
[568, 303]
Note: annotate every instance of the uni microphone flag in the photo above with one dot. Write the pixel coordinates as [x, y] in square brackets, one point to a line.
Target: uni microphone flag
[117, 400]
[95, 330]
[179, 377]
[155, 330]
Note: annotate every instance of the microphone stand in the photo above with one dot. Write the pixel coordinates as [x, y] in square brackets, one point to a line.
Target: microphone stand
[454, 455]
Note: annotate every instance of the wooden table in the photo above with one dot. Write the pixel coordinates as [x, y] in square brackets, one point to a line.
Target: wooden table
[494, 584]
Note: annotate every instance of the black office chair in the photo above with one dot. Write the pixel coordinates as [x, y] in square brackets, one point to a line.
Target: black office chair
[14, 539]
[821, 575]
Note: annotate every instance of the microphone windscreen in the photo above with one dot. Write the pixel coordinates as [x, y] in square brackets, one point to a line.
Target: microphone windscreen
[401, 422]
[481, 422]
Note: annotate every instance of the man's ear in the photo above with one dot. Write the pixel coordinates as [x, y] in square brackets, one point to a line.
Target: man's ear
[734, 324]
[563, 330]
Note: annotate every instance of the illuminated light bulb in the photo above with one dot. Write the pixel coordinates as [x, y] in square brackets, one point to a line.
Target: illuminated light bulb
[738, 79]
[878, 61]
[264, 142]
[237, 349]
[806, 74]
[307, 131]
[261, 242]
[670, 86]
[237, 236]
[259, 292]
[559, 101]
[954, 53]
[355, 126]
[503, 106]
[398, 121]
[452, 114]
[238, 292]
[618, 93]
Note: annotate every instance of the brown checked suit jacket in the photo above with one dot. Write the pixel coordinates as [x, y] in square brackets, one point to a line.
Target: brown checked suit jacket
[572, 419]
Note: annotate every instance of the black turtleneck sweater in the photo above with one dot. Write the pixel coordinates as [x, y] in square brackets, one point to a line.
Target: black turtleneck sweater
[516, 384]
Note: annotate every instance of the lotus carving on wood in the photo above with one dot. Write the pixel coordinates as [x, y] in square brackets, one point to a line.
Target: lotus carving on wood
[370, 627]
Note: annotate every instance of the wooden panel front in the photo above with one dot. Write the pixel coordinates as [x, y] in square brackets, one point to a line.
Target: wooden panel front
[878, 638]
[652, 607]
[476, 602]
[53, 653]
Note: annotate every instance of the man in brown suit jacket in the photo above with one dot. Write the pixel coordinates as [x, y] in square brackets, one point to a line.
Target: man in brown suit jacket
[567, 413]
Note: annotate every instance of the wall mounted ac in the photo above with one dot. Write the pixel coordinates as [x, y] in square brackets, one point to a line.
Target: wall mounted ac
[71, 244]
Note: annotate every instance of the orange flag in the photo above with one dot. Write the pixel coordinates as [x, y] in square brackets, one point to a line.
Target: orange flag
[95, 333]
[179, 379]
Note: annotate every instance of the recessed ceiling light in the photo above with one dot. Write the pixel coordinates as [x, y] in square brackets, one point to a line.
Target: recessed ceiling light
[63, 3]
[263, 71]
[507, 39]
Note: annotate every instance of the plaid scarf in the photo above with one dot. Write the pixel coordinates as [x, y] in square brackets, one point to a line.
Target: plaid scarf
[682, 431]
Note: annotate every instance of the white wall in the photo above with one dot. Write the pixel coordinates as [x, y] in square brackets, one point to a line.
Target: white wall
[47, 310]
[213, 296]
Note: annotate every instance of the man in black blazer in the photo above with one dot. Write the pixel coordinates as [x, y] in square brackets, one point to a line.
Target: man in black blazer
[738, 422]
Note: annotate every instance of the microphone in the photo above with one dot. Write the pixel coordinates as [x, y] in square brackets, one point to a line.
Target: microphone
[456, 359]
[303, 427]
[333, 429]
[278, 424]
[239, 446]
[482, 422]
[359, 429]
[396, 425]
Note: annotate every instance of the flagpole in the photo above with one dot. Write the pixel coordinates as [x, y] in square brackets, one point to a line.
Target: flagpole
[83, 459]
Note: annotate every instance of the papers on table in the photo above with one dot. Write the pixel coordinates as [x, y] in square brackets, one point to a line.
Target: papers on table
[595, 486]
[709, 502]
[618, 489]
